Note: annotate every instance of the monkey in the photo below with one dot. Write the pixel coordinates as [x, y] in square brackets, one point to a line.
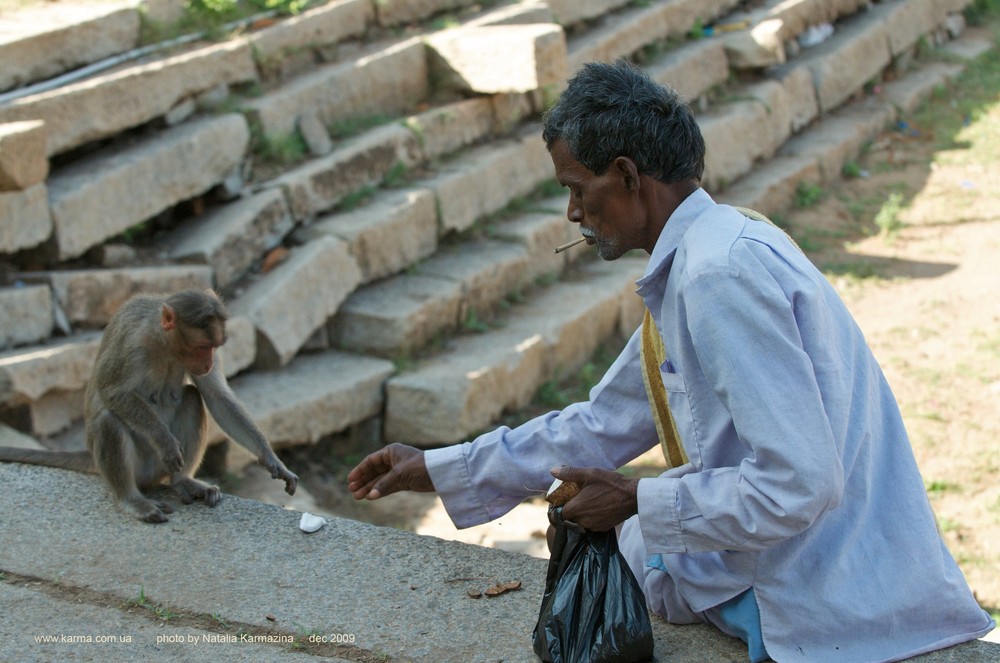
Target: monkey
[144, 405]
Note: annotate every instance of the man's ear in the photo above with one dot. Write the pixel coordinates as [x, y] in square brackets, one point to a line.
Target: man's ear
[628, 172]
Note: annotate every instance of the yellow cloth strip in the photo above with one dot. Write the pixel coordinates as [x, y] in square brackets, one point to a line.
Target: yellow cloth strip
[652, 354]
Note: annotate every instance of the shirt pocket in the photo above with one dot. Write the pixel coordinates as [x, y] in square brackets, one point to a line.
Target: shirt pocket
[682, 412]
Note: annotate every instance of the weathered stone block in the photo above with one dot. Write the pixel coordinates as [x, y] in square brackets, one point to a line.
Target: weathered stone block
[104, 195]
[399, 12]
[321, 184]
[289, 303]
[839, 138]
[23, 160]
[395, 231]
[104, 106]
[571, 12]
[771, 187]
[450, 396]
[344, 90]
[905, 22]
[37, 43]
[447, 128]
[733, 141]
[90, 297]
[693, 69]
[55, 412]
[842, 65]
[494, 59]
[64, 365]
[907, 93]
[485, 179]
[25, 217]
[312, 397]
[320, 26]
[232, 238]
[10, 437]
[25, 315]
[488, 271]
[240, 349]
[540, 232]
[394, 317]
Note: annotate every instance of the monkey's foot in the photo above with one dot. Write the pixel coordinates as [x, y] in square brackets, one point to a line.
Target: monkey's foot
[148, 511]
[189, 490]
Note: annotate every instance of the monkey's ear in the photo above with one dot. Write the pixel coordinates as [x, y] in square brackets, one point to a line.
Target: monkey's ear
[168, 317]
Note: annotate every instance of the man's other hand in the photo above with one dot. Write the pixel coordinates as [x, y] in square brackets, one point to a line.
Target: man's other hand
[606, 498]
[389, 470]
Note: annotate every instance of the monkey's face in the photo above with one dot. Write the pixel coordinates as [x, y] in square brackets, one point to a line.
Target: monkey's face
[196, 348]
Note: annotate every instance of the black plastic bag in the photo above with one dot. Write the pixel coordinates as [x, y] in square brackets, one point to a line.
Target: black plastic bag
[593, 609]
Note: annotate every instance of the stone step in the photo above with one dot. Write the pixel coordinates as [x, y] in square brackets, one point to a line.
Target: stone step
[37, 43]
[625, 32]
[449, 396]
[460, 285]
[99, 197]
[315, 395]
[410, 278]
[106, 105]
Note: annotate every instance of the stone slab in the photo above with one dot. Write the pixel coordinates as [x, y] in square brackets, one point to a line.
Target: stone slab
[344, 90]
[104, 106]
[463, 389]
[770, 188]
[234, 237]
[37, 43]
[693, 69]
[296, 298]
[89, 297]
[10, 437]
[26, 315]
[908, 93]
[495, 59]
[396, 316]
[23, 159]
[320, 26]
[95, 198]
[400, 595]
[356, 165]
[395, 231]
[445, 129]
[390, 13]
[27, 221]
[855, 55]
[571, 12]
[315, 395]
[484, 180]
[27, 374]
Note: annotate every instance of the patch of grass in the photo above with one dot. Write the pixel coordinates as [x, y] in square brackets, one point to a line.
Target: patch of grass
[397, 176]
[808, 194]
[142, 601]
[851, 170]
[473, 324]
[938, 488]
[887, 219]
[280, 151]
[356, 198]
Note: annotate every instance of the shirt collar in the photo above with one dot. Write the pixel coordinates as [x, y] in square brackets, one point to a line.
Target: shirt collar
[670, 238]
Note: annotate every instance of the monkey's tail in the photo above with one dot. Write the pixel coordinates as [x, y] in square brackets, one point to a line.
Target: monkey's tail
[78, 461]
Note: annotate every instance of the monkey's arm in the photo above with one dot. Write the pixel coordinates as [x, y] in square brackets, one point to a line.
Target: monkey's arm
[129, 407]
[235, 421]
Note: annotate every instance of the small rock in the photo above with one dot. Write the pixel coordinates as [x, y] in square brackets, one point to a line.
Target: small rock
[310, 522]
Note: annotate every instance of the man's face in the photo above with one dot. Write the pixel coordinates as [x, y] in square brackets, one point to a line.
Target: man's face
[605, 206]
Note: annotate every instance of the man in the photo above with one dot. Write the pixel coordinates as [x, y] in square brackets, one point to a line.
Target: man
[794, 515]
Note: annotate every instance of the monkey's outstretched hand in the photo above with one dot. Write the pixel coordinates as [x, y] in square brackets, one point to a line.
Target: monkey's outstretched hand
[389, 470]
[279, 471]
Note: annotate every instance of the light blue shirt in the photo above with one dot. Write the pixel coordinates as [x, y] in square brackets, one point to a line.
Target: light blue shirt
[801, 484]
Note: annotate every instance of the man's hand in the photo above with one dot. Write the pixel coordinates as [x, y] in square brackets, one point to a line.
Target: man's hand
[606, 498]
[389, 470]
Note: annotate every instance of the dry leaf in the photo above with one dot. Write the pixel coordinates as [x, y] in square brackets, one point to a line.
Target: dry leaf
[475, 594]
[271, 618]
[274, 258]
[500, 588]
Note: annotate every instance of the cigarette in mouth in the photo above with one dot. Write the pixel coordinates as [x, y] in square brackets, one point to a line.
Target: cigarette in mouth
[563, 247]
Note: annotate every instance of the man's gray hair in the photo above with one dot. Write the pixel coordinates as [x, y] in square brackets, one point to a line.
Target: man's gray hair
[612, 110]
